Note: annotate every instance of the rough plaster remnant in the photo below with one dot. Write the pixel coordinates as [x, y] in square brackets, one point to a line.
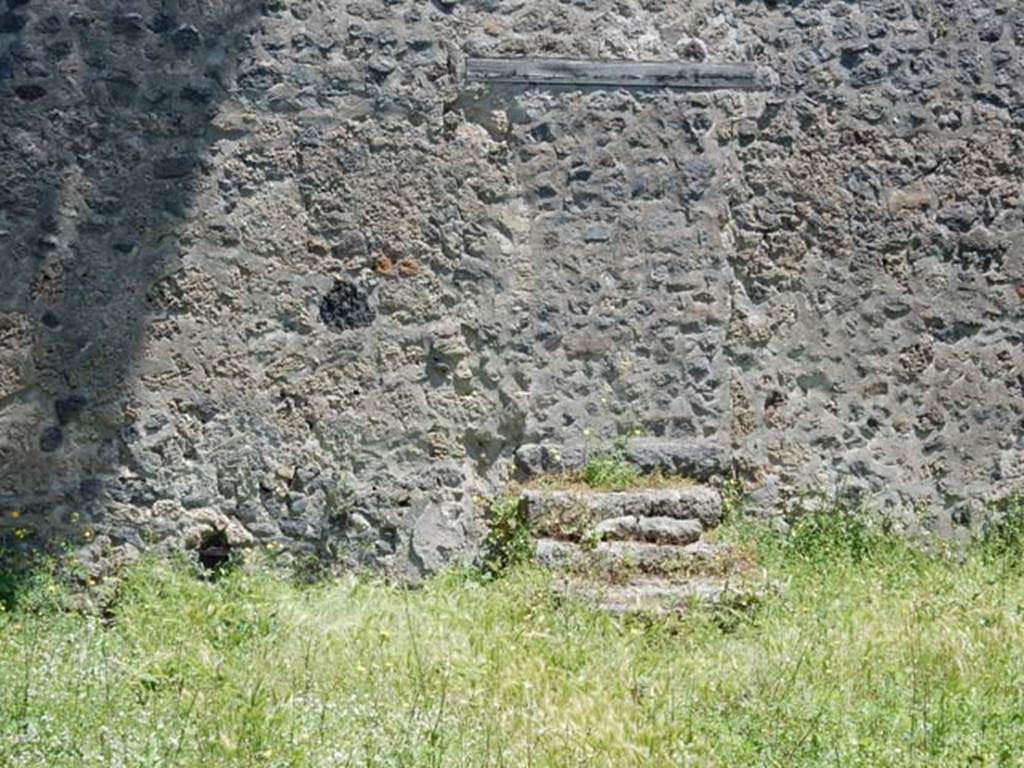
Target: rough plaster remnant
[822, 279]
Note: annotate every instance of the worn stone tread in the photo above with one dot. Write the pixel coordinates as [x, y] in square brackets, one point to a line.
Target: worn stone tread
[663, 596]
[553, 511]
[696, 459]
[661, 530]
[619, 556]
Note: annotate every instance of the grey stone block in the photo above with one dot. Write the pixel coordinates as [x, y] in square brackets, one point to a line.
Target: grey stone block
[661, 596]
[624, 556]
[668, 530]
[540, 459]
[661, 530]
[698, 460]
[618, 528]
[552, 510]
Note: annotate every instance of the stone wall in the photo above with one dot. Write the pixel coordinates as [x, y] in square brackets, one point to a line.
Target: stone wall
[274, 270]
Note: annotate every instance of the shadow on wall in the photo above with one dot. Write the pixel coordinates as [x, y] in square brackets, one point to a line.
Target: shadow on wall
[105, 119]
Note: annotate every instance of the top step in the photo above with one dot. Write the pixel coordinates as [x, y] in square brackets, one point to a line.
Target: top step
[697, 459]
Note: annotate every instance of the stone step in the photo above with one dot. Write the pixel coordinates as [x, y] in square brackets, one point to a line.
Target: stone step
[661, 596]
[658, 530]
[611, 558]
[697, 459]
[572, 514]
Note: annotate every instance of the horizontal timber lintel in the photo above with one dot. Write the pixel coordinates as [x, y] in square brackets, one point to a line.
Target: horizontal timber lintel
[619, 74]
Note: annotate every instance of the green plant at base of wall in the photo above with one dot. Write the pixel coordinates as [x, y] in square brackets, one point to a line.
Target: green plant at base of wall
[509, 541]
[733, 494]
[1002, 534]
[610, 470]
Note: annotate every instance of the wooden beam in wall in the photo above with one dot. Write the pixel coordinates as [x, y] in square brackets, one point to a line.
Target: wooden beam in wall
[694, 76]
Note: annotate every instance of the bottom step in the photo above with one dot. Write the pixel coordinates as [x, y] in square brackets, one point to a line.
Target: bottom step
[665, 597]
[636, 557]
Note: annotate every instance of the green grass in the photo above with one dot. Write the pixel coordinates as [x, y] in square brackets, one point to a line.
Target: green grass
[610, 471]
[509, 541]
[874, 655]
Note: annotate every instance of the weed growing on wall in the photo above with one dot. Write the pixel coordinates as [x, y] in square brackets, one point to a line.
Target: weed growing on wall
[32, 579]
[340, 500]
[509, 541]
[832, 533]
[1002, 534]
[610, 470]
[733, 493]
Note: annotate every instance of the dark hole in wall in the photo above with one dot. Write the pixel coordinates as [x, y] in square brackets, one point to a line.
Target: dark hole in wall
[68, 408]
[12, 22]
[347, 306]
[851, 58]
[50, 439]
[214, 552]
[29, 92]
[773, 401]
